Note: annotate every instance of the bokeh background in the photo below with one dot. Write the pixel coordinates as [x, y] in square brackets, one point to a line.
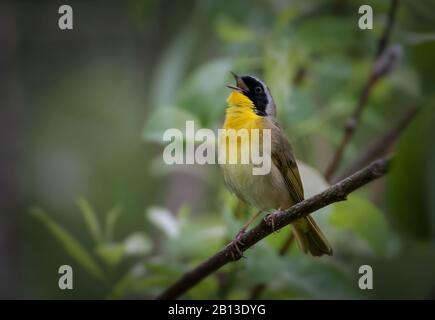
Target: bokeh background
[82, 115]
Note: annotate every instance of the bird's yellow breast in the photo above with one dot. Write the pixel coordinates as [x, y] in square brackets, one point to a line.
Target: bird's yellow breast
[240, 113]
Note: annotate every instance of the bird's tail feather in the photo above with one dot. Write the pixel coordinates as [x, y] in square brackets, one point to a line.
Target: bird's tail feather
[310, 238]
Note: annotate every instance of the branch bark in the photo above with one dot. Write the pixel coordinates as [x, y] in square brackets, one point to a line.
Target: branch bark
[335, 193]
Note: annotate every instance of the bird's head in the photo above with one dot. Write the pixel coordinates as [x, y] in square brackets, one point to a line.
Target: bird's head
[253, 89]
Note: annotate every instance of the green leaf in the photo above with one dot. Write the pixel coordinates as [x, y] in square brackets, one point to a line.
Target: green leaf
[422, 56]
[137, 244]
[230, 31]
[278, 72]
[164, 220]
[173, 65]
[204, 91]
[166, 118]
[327, 34]
[90, 218]
[360, 216]
[196, 240]
[413, 265]
[295, 275]
[263, 266]
[310, 278]
[111, 253]
[128, 283]
[111, 219]
[71, 245]
[158, 168]
[410, 184]
[314, 182]
[206, 288]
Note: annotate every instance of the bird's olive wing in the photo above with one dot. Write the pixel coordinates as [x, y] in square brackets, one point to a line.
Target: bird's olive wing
[282, 157]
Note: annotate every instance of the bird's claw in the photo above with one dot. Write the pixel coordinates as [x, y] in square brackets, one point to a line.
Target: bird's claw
[270, 220]
[236, 253]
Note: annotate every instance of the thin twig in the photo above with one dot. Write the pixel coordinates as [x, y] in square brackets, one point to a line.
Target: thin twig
[385, 61]
[349, 129]
[379, 147]
[335, 193]
[390, 23]
[299, 76]
[288, 241]
[257, 291]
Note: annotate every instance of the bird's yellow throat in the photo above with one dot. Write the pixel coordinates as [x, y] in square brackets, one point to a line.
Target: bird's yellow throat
[240, 113]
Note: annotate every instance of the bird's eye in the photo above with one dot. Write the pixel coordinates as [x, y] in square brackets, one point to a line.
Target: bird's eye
[258, 89]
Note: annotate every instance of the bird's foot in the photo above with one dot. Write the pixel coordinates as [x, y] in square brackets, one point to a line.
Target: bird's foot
[237, 241]
[270, 219]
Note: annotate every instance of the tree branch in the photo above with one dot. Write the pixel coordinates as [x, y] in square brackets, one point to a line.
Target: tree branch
[390, 22]
[385, 61]
[379, 147]
[335, 193]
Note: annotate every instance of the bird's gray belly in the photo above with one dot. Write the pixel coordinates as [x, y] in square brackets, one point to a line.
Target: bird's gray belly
[261, 191]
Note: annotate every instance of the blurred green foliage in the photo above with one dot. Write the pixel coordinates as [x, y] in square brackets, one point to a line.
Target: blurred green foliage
[86, 139]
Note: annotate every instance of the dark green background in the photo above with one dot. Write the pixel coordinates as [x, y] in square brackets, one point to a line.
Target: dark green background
[83, 112]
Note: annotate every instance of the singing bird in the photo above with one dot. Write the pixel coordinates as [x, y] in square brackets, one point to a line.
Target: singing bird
[251, 106]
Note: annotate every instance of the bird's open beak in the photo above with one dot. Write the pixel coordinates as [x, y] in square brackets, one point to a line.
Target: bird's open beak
[240, 85]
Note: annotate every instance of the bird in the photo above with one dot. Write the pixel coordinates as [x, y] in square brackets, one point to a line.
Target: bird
[250, 105]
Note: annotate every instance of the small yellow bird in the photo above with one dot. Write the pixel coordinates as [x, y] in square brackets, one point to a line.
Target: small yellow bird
[251, 106]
